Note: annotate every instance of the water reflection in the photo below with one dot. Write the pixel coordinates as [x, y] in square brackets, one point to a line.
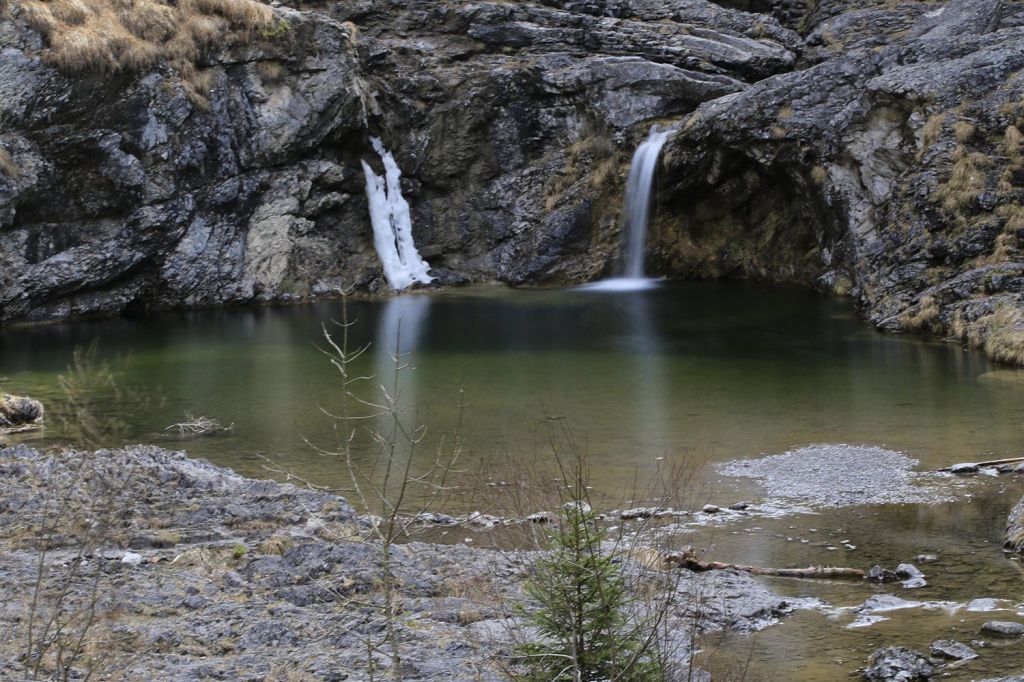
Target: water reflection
[400, 330]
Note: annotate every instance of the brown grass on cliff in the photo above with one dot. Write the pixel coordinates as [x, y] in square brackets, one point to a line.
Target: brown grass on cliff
[923, 317]
[966, 180]
[1001, 334]
[7, 165]
[103, 36]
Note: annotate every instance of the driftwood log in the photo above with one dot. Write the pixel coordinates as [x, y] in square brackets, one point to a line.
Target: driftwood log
[987, 463]
[689, 561]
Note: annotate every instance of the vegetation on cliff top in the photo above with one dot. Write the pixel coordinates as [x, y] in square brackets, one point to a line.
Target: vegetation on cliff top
[106, 36]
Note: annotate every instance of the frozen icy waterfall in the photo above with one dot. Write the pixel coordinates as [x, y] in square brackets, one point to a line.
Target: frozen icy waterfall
[392, 223]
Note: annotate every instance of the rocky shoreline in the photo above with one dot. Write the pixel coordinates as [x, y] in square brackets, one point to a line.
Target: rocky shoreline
[204, 574]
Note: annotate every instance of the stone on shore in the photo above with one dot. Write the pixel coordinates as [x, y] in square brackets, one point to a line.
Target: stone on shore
[1003, 628]
[898, 664]
[18, 412]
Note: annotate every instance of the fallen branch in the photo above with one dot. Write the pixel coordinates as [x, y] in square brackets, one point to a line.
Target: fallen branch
[688, 561]
[986, 464]
[199, 426]
[10, 430]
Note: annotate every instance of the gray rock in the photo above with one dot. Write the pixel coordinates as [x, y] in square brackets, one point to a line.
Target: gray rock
[948, 648]
[304, 596]
[908, 571]
[877, 574]
[1015, 528]
[898, 664]
[964, 468]
[18, 412]
[1003, 628]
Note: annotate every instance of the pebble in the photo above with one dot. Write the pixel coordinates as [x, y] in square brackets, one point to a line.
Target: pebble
[543, 517]
[131, 558]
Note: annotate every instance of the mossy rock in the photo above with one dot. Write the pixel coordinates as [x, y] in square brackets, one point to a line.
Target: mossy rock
[17, 412]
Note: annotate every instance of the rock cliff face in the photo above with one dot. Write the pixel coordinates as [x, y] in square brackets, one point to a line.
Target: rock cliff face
[889, 167]
[858, 147]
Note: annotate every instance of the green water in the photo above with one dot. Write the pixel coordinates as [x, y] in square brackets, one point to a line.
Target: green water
[721, 370]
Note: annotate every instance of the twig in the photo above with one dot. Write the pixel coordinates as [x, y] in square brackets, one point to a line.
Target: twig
[199, 426]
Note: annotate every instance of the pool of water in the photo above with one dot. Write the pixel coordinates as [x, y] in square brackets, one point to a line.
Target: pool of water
[715, 370]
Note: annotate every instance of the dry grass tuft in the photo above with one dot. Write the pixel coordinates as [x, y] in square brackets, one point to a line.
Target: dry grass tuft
[270, 72]
[1012, 139]
[963, 131]
[924, 318]
[7, 165]
[819, 174]
[930, 131]
[966, 181]
[1001, 334]
[104, 36]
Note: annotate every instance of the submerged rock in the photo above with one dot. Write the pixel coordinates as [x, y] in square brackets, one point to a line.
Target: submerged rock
[898, 664]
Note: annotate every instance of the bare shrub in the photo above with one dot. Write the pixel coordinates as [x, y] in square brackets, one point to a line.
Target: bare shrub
[403, 482]
[198, 426]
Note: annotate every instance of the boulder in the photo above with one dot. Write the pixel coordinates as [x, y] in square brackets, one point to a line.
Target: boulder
[951, 649]
[1003, 628]
[17, 412]
[898, 664]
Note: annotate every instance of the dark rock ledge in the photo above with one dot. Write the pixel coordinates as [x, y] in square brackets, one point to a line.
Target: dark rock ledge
[205, 574]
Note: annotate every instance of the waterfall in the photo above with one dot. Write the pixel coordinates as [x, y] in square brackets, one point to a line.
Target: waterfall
[638, 200]
[639, 188]
[392, 224]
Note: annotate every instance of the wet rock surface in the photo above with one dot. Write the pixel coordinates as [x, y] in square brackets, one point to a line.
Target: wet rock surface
[898, 664]
[849, 174]
[1003, 628]
[205, 574]
[512, 123]
[951, 649]
[861, 149]
[837, 475]
[1015, 528]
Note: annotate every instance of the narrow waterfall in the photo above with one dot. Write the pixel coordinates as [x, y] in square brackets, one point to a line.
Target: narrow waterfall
[638, 201]
[392, 224]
